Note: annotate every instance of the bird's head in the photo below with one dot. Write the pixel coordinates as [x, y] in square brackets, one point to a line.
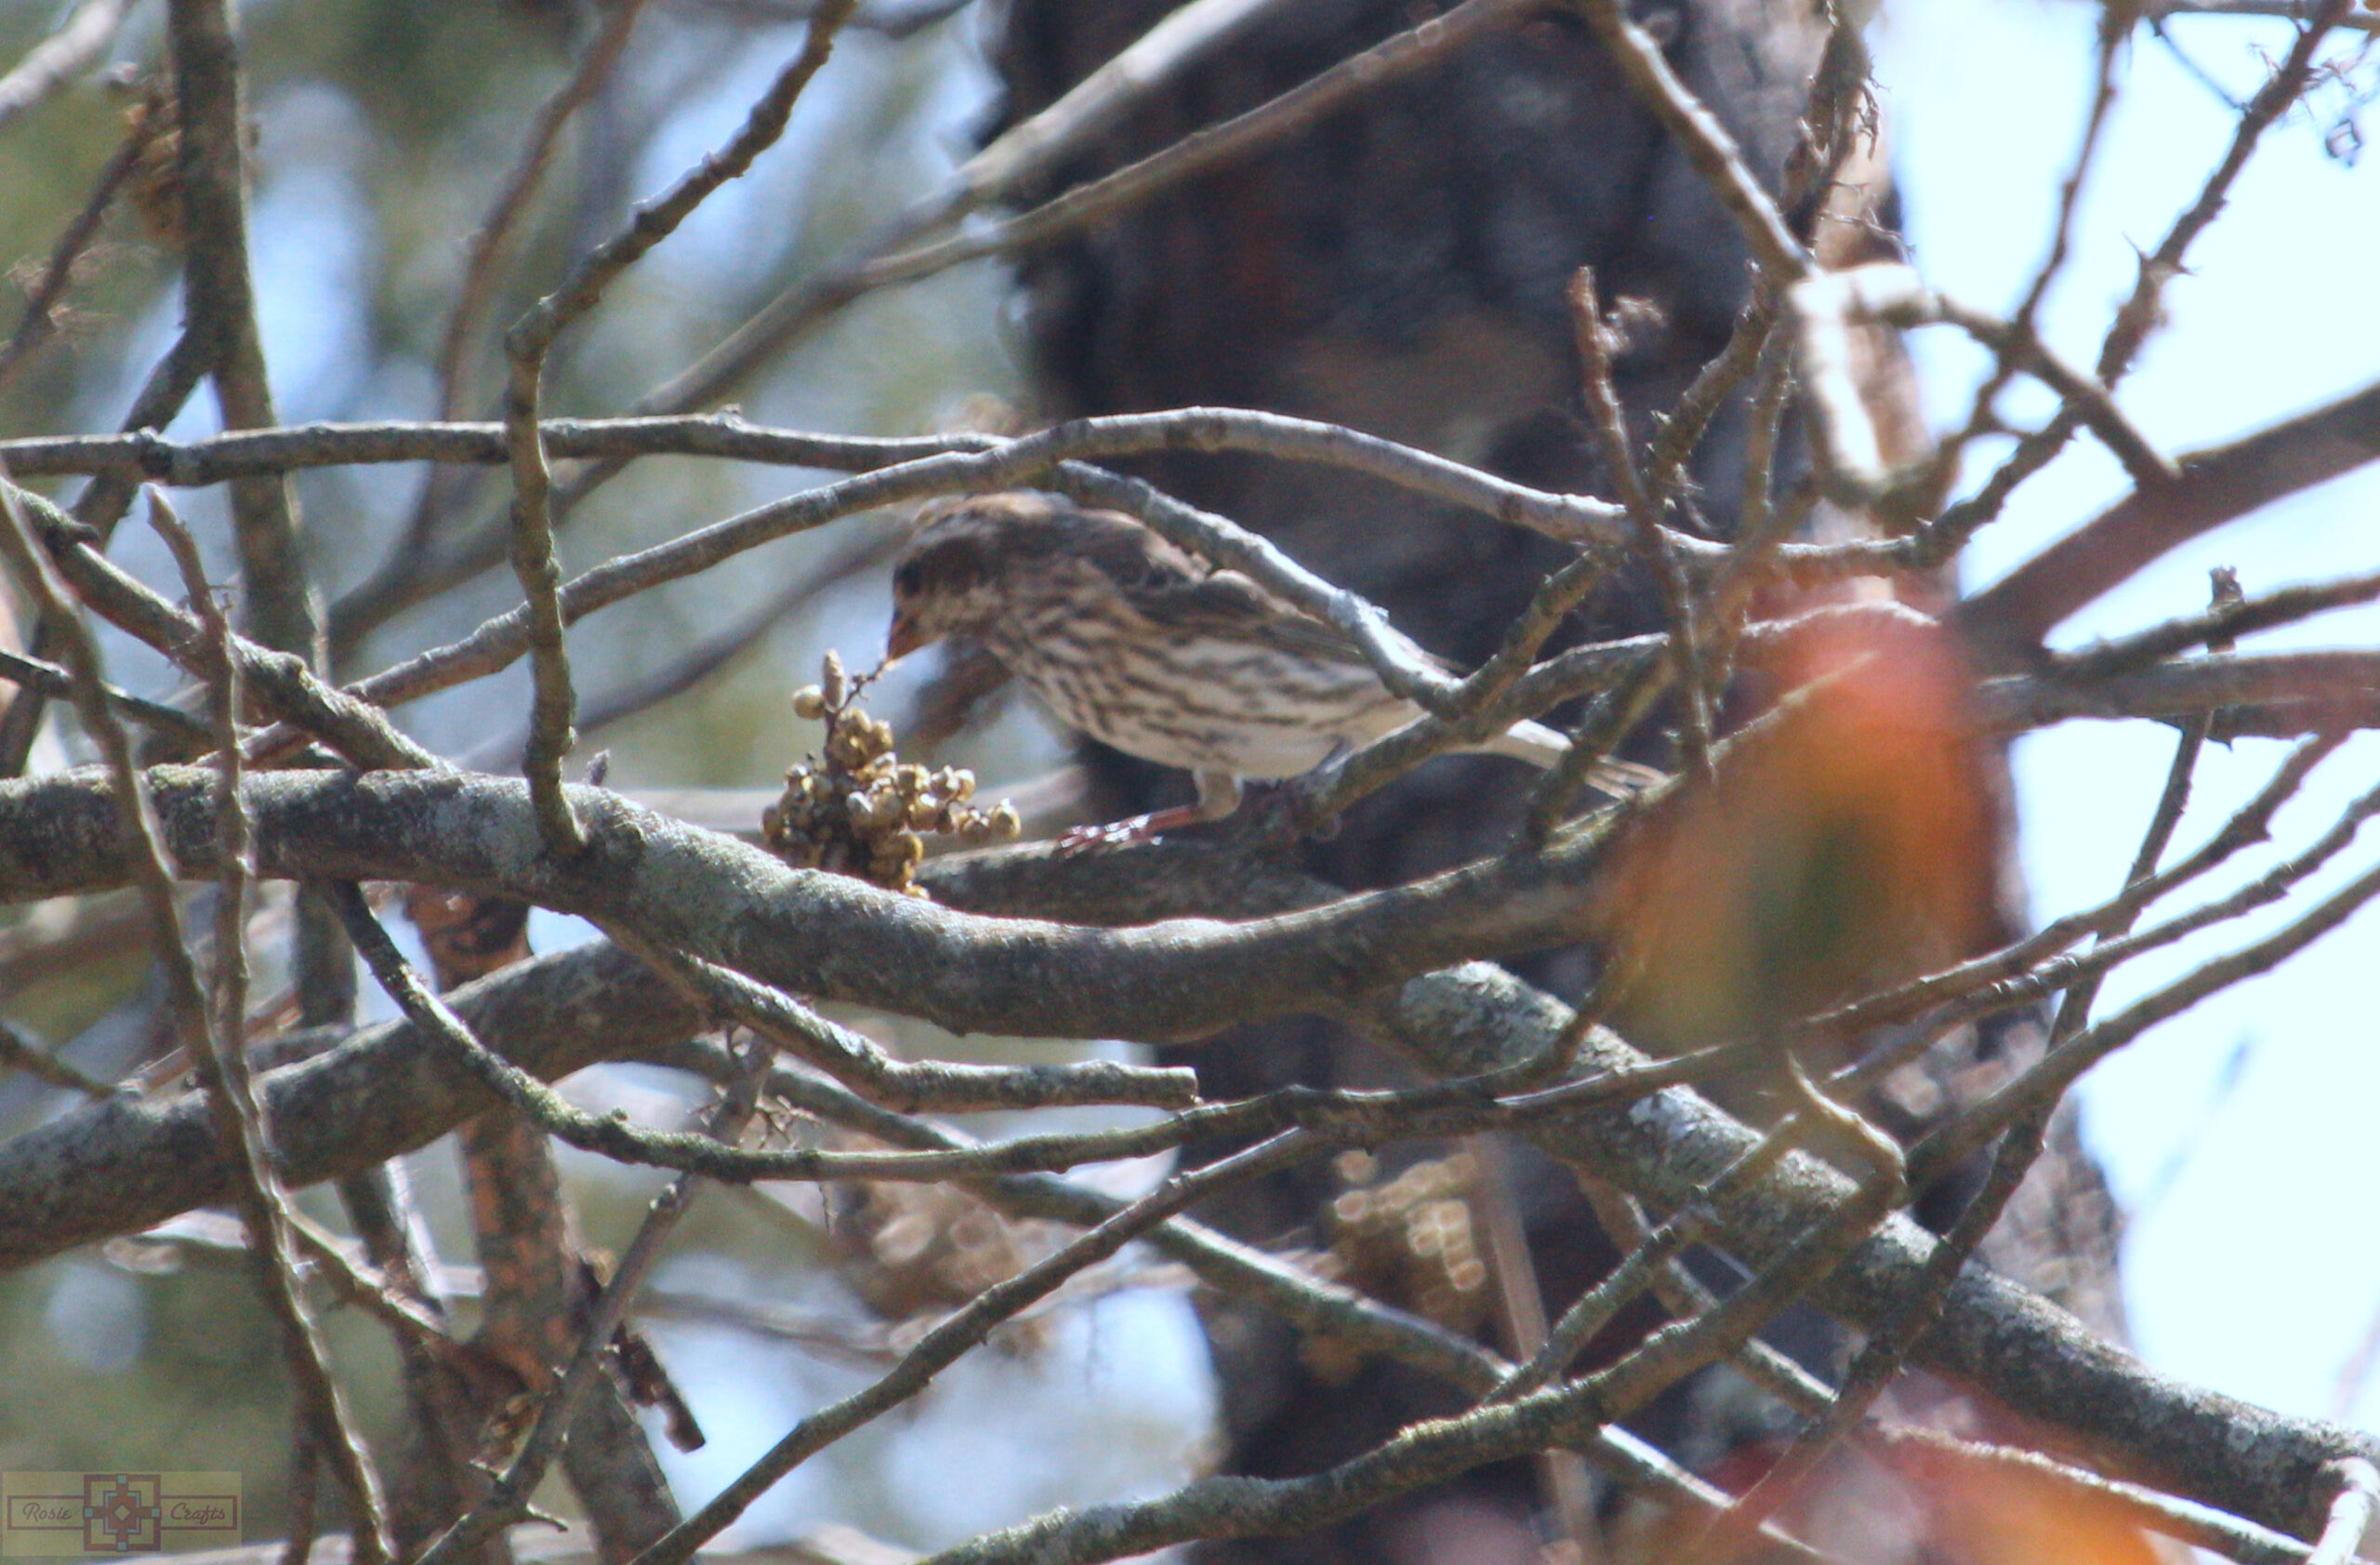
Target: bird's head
[948, 578]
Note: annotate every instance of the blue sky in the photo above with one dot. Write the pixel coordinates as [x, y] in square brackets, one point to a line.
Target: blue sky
[2235, 1272]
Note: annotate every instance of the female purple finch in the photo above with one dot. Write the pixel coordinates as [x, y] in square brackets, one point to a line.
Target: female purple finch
[1128, 639]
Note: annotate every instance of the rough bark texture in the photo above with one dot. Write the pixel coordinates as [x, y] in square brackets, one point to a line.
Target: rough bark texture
[1400, 267]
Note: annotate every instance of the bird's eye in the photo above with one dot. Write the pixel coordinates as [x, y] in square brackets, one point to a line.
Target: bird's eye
[908, 581]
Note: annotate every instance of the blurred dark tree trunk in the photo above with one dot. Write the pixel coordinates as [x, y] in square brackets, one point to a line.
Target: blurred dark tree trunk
[1399, 267]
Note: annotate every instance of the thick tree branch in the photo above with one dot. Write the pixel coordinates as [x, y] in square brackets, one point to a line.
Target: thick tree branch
[122, 1164]
[806, 930]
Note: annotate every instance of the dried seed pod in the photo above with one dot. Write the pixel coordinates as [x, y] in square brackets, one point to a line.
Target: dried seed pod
[810, 702]
[1006, 823]
[847, 749]
[833, 683]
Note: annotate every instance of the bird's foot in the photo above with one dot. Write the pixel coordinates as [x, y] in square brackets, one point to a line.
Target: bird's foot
[1126, 833]
[1283, 812]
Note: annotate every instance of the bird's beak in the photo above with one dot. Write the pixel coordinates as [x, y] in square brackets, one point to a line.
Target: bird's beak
[903, 639]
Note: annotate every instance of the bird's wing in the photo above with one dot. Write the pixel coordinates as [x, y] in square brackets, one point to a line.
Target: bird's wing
[1178, 590]
[1229, 606]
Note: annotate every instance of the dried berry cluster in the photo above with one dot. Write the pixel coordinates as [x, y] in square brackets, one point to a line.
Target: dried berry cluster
[1409, 1241]
[915, 1252]
[860, 810]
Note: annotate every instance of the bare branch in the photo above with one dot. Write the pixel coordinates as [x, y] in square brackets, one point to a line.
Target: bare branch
[2292, 10]
[2350, 1513]
[562, 1013]
[526, 345]
[75, 48]
[2214, 486]
[19, 1053]
[355, 729]
[103, 505]
[1610, 422]
[1827, 305]
[2280, 694]
[1704, 140]
[2139, 316]
[211, 115]
[963, 1330]
[40, 319]
[507, 1501]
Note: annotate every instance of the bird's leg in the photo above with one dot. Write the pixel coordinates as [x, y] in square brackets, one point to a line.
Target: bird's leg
[1294, 807]
[1219, 795]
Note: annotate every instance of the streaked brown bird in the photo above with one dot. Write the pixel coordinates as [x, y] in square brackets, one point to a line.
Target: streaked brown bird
[1129, 640]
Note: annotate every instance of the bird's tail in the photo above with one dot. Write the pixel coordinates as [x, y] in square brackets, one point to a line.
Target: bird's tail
[1540, 746]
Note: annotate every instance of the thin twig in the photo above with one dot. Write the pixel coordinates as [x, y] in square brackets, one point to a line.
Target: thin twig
[490, 241]
[353, 727]
[1430, 1451]
[222, 1062]
[1827, 306]
[2350, 1515]
[507, 1502]
[2037, 983]
[103, 505]
[1024, 152]
[2251, 824]
[192, 735]
[1704, 140]
[2055, 1072]
[40, 319]
[2140, 314]
[19, 1053]
[2280, 695]
[911, 1086]
[1568, 1492]
[714, 652]
[225, 1074]
[1652, 1253]
[526, 345]
[2225, 621]
[1202, 150]
[2200, 1526]
[278, 606]
[1881, 1357]
[75, 48]
[1609, 421]
[488, 246]
[2115, 27]
[1685, 1298]
[1307, 1302]
[965, 1329]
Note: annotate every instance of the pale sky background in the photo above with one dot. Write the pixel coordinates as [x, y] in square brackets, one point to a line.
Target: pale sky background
[2253, 1272]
